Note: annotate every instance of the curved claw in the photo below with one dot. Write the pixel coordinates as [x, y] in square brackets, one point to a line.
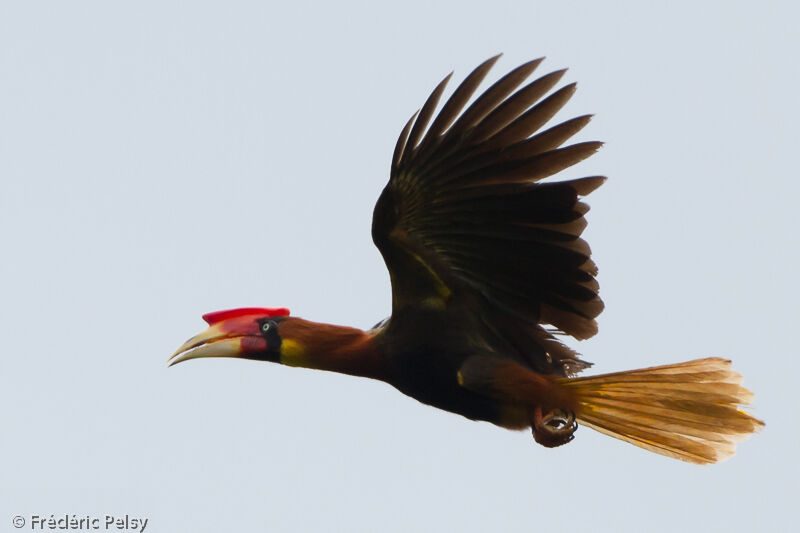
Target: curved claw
[555, 428]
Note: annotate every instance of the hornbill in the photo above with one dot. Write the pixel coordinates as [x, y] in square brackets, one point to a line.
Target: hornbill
[488, 269]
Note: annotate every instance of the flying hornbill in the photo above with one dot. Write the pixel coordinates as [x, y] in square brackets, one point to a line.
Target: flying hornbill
[487, 269]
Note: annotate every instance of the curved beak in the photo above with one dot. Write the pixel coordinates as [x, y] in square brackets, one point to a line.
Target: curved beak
[231, 333]
[213, 342]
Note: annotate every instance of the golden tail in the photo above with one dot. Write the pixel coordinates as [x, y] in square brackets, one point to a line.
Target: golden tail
[689, 411]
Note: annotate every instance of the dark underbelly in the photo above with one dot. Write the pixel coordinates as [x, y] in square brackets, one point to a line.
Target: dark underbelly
[425, 365]
[433, 380]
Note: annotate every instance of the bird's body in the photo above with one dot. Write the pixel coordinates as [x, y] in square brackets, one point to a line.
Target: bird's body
[425, 364]
[488, 268]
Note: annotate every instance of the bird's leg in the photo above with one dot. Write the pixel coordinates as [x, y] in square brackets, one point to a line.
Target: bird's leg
[549, 407]
[553, 428]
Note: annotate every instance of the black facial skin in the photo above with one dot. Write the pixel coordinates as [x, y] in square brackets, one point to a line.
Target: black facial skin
[269, 330]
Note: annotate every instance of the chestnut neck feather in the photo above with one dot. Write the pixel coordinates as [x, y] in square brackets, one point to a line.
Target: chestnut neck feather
[334, 348]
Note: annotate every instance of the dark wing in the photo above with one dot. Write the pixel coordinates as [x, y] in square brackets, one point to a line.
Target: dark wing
[464, 214]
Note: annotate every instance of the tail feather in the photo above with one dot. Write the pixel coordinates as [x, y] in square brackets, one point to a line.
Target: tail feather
[689, 411]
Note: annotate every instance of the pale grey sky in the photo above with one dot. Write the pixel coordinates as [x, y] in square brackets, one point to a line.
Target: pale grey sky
[159, 160]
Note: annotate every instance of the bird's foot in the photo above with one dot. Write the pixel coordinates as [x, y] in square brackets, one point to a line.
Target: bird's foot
[554, 428]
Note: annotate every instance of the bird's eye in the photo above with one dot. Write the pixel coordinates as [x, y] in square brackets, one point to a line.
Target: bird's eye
[265, 327]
